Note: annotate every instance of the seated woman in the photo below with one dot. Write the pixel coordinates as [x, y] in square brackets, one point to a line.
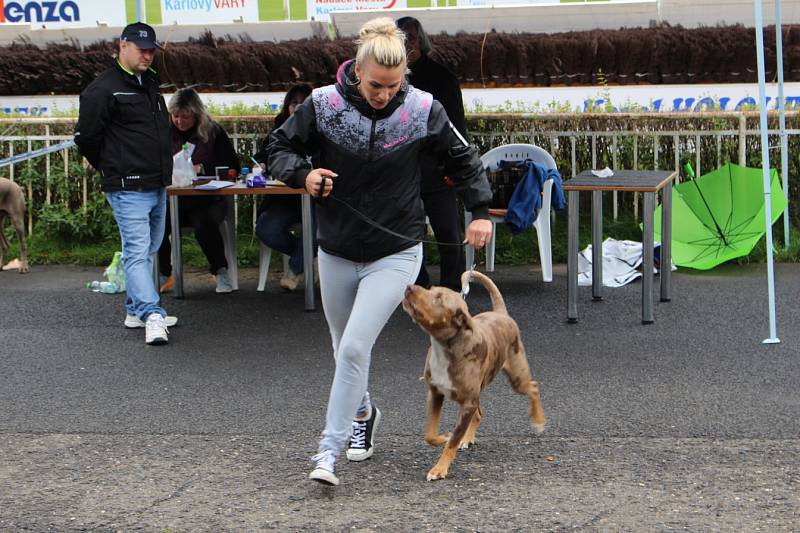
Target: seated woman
[279, 213]
[191, 123]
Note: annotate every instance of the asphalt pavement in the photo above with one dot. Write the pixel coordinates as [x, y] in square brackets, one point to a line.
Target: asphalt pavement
[690, 423]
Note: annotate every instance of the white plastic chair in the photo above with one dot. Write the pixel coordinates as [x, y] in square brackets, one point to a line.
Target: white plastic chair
[263, 265]
[491, 161]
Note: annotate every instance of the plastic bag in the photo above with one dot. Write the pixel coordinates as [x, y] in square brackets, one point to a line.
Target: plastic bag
[115, 272]
[182, 167]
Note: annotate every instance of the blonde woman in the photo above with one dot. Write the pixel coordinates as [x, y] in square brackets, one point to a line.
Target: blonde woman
[367, 133]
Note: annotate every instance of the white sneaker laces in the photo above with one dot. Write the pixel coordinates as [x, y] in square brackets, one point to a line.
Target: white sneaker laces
[359, 437]
[157, 320]
[325, 460]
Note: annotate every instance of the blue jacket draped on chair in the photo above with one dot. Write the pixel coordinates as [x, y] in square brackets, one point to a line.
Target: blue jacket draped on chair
[527, 198]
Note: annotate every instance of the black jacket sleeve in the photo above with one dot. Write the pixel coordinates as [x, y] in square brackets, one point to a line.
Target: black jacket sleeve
[461, 162]
[93, 119]
[292, 144]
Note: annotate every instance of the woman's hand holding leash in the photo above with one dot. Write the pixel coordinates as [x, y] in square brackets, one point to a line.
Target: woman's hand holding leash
[318, 182]
[479, 232]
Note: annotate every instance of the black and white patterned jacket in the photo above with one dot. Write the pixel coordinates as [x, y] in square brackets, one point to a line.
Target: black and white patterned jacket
[376, 154]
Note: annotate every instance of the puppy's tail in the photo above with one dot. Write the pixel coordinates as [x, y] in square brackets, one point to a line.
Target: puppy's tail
[498, 304]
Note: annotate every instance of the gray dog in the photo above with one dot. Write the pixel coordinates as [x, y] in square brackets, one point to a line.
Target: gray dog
[12, 205]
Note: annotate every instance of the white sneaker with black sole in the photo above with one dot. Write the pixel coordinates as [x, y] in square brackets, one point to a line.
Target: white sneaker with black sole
[324, 468]
[133, 321]
[155, 330]
[362, 441]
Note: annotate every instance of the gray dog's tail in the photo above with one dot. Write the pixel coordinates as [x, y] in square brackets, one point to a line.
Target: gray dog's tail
[498, 304]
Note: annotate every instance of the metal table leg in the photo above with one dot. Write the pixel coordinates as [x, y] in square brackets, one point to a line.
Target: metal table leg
[572, 256]
[233, 259]
[308, 252]
[597, 245]
[647, 265]
[666, 243]
[177, 261]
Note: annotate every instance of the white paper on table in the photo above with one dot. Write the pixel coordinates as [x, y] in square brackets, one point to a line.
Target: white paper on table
[605, 173]
[213, 185]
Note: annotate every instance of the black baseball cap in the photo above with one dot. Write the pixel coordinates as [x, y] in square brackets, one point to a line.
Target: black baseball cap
[140, 33]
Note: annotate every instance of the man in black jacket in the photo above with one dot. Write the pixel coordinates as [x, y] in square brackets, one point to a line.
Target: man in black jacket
[438, 196]
[123, 131]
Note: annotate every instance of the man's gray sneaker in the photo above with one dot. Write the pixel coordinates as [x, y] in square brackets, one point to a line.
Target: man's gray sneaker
[133, 321]
[155, 330]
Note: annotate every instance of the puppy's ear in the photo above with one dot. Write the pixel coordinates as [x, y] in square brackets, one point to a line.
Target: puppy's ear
[459, 319]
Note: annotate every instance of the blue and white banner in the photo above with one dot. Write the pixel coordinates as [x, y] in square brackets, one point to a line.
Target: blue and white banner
[629, 98]
[638, 98]
[321, 9]
[208, 11]
[62, 13]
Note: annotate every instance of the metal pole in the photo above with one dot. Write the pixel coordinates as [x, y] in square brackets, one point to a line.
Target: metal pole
[782, 119]
[572, 256]
[597, 245]
[140, 11]
[648, 211]
[177, 259]
[762, 108]
[666, 243]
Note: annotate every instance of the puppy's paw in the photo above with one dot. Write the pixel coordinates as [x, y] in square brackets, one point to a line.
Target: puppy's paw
[465, 444]
[437, 472]
[24, 268]
[437, 440]
[538, 427]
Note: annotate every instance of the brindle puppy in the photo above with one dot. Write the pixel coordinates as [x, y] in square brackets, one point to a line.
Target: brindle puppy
[465, 355]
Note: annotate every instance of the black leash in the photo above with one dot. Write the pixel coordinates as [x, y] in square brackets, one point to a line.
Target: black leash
[374, 224]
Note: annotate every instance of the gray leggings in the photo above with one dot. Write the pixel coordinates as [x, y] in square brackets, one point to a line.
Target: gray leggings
[358, 299]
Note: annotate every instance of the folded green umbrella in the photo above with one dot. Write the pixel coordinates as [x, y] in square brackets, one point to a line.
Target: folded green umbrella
[720, 215]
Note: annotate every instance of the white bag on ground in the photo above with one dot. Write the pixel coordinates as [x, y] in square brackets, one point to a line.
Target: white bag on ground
[621, 259]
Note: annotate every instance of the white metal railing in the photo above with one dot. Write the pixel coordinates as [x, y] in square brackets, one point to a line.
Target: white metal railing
[567, 145]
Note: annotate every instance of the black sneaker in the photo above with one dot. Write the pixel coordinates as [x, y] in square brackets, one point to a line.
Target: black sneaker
[362, 442]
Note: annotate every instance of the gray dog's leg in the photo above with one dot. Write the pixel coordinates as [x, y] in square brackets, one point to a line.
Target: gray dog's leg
[19, 225]
[3, 240]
